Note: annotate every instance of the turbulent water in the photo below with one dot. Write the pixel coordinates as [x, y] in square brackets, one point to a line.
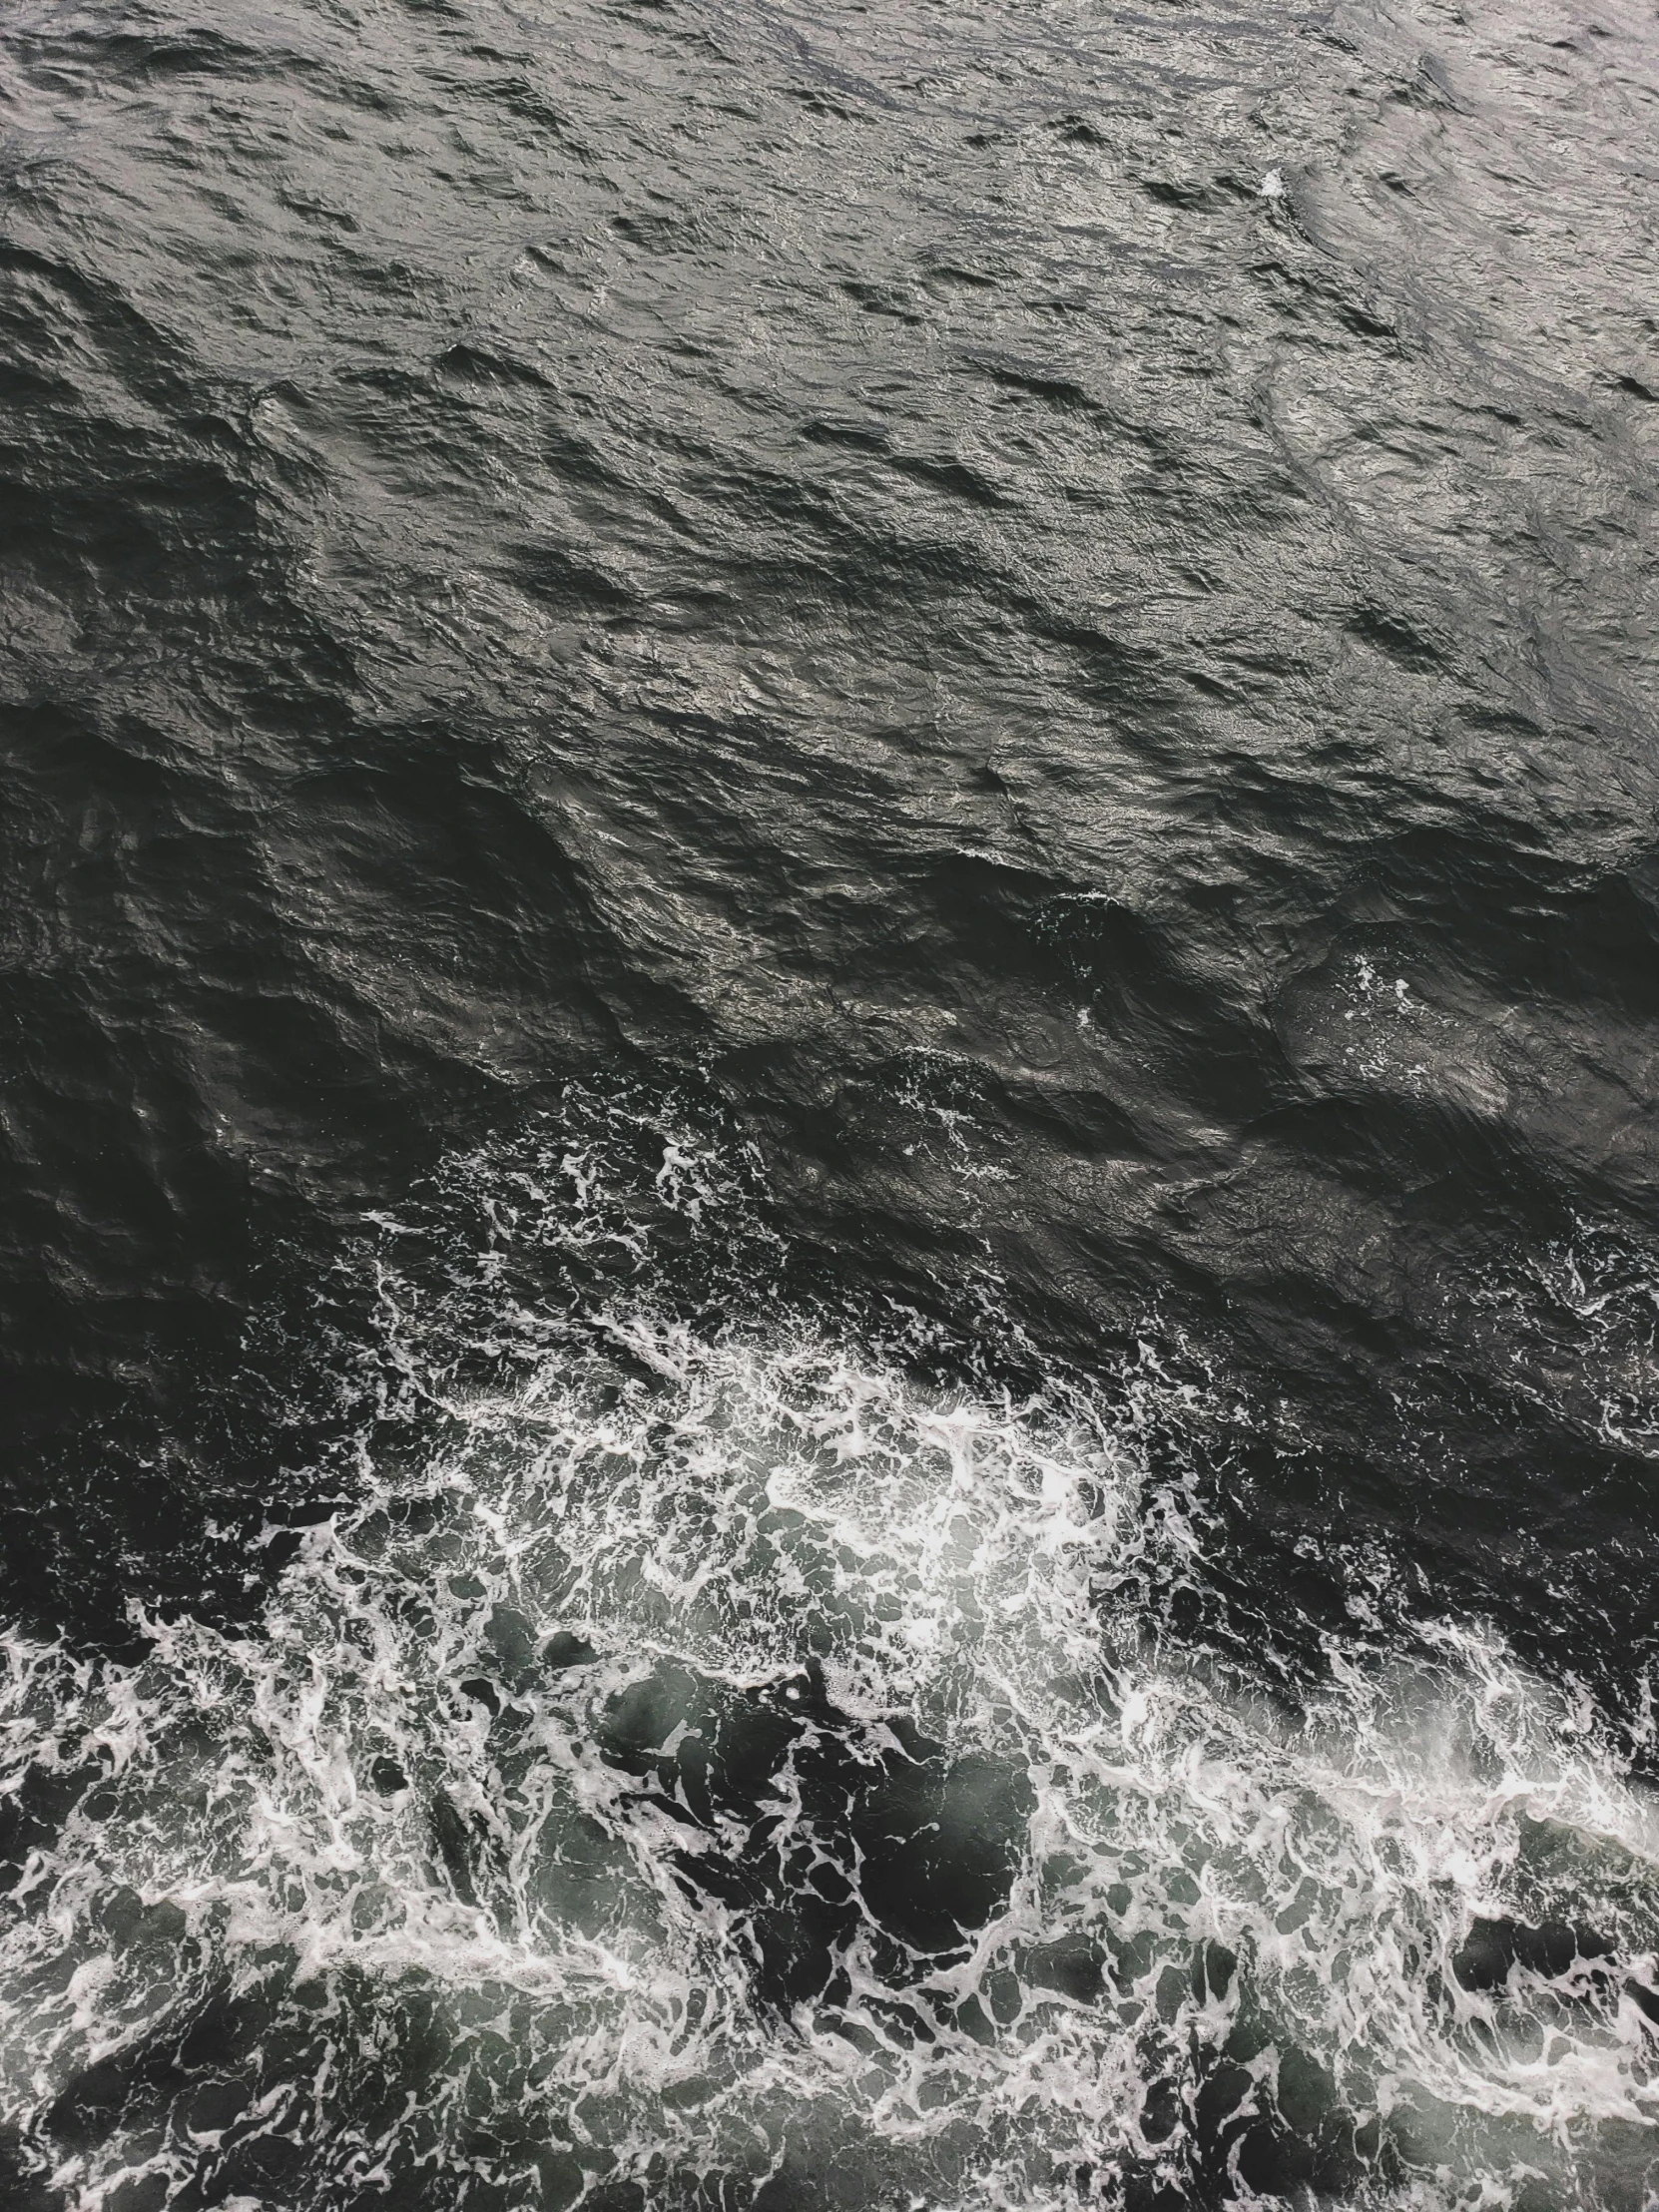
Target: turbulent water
[829, 959]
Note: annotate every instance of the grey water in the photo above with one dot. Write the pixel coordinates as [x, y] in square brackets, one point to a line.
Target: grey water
[827, 1246]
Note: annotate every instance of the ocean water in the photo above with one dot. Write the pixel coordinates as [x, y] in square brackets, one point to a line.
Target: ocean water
[828, 1252]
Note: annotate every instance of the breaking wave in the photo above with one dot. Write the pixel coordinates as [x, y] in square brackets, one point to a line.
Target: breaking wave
[718, 1755]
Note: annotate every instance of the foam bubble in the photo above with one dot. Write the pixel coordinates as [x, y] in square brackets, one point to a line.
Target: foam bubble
[704, 1758]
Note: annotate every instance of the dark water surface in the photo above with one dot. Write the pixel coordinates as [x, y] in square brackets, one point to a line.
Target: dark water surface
[829, 974]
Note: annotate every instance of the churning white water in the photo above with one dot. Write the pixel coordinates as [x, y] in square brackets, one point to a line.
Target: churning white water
[712, 1762]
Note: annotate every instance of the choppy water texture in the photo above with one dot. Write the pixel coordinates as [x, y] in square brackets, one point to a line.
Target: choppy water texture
[827, 1257]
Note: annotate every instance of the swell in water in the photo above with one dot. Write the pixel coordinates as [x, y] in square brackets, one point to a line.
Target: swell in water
[706, 1761]
[1002, 656]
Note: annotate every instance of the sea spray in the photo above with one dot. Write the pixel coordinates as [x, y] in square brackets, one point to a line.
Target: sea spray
[708, 1758]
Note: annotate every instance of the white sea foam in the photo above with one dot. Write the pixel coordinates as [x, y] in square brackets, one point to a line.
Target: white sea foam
[479, 1861]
